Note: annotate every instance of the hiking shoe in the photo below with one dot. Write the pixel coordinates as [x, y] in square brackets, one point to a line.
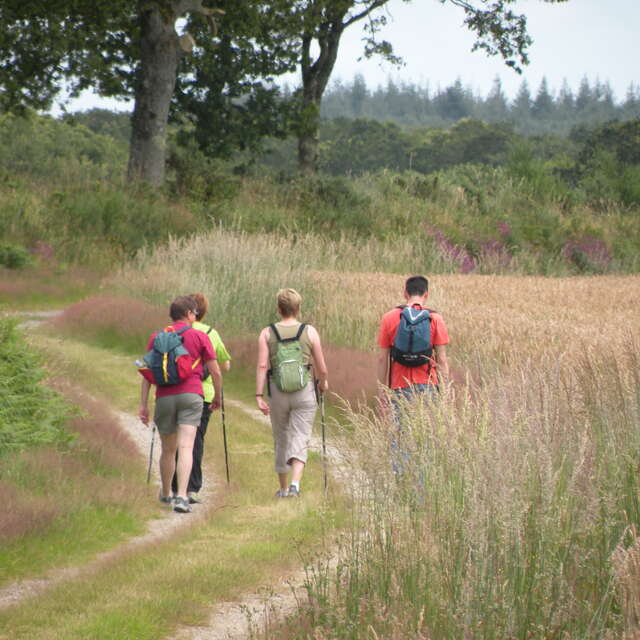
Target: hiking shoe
[282, 493]
[193, 498]
[293, 492]
[165, 499]
[181, 505]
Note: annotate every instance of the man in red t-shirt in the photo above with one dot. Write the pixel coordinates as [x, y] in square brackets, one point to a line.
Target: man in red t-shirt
[179, 406]
[404, 380]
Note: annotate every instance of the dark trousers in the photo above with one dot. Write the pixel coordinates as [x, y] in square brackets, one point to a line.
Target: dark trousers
[195, 479]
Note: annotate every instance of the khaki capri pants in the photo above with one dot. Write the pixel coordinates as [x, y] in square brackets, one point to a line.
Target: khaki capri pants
[292, 415]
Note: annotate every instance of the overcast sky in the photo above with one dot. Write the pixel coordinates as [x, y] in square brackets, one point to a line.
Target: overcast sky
[596, 38]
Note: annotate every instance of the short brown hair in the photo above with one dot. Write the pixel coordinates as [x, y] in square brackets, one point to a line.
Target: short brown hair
[416, 286]
[289, 301]
[202, 304]
[181, 306]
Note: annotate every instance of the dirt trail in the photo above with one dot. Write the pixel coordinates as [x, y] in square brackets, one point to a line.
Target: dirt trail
[236, 620]
[157, 529]
[228, 620]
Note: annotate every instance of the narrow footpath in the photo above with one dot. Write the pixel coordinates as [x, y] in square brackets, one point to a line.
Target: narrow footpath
[228, 620]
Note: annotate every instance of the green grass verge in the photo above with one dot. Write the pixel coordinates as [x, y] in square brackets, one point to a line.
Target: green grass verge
[45, 287]
[78, 490]
[94, 528]
[247, 540]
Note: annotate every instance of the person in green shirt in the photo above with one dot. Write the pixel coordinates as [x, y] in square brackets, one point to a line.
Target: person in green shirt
[224, 361]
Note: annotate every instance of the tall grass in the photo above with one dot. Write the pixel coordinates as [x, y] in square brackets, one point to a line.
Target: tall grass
[241, 273]
[345, 290]
[512, 514]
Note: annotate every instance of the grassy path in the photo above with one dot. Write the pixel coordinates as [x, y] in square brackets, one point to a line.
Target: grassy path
[244, 539]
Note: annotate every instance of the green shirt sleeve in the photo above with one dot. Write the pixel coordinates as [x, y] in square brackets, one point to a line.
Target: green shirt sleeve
[222, 355]
[221, 351]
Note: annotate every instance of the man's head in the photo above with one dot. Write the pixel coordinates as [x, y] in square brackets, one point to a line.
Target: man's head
[289, 301]
[202, 304]
[416, 286]
[181, 307]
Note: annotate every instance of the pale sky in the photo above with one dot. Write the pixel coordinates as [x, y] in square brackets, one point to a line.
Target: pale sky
[596, 38]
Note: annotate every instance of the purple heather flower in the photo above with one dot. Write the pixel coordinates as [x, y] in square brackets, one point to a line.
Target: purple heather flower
[591, 252]
[504, 228]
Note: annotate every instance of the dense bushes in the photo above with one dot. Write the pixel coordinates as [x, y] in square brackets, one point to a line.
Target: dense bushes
[13, 256]
[524, 206]
[30, 412]
[42, 148]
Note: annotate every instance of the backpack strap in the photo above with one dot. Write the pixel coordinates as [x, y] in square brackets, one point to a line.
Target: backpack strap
[275, 332]
[301, 328]
[179, 331]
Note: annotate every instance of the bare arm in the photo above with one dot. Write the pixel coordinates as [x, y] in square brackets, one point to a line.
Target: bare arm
[143, 413]
[442, 362]
[383, 367]
[320, 366]
[216, 378]
[225, 366]
[261, 371]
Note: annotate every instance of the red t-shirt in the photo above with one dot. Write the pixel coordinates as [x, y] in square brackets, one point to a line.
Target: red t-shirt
[198, 345]
[402, 376]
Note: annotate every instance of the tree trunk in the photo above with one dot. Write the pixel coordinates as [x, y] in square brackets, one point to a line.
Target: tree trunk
[315, 77]
[308, 136]
[160, 52]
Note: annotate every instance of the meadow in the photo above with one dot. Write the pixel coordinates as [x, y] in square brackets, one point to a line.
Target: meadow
[517, 515]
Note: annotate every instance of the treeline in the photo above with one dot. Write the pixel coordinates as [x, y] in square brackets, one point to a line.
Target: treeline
[532, 111]
[602, 161]
[497, 201]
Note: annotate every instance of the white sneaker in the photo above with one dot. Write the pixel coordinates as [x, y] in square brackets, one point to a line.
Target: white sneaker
[181, 505]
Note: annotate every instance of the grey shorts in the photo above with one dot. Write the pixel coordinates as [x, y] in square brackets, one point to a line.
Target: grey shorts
[181, 408]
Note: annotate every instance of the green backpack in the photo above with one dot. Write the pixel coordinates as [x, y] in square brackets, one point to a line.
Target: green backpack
[289, 371]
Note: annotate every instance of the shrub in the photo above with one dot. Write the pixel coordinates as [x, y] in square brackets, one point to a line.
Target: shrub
[13, 256]
[30, 412]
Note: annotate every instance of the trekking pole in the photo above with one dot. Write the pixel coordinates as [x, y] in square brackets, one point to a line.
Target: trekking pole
[224, 434]
[324, 442]
[153, 437]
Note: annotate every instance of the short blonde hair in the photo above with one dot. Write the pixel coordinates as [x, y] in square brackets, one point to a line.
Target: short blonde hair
[289, 301]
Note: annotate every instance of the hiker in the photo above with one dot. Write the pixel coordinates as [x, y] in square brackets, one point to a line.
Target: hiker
[178, 407]
[421, 377]
[285, 351]
[224, 362]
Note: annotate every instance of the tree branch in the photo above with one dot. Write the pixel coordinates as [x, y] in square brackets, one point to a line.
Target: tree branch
[364, 13]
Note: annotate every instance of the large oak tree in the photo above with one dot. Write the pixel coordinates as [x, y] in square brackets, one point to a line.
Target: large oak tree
[116, 47]
[132, 49]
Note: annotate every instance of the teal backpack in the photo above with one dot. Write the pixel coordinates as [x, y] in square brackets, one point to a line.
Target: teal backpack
[168, 362]
[289, 371]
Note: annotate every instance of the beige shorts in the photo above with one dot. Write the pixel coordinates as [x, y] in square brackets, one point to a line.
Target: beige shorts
[181, 408]
[292, 416]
